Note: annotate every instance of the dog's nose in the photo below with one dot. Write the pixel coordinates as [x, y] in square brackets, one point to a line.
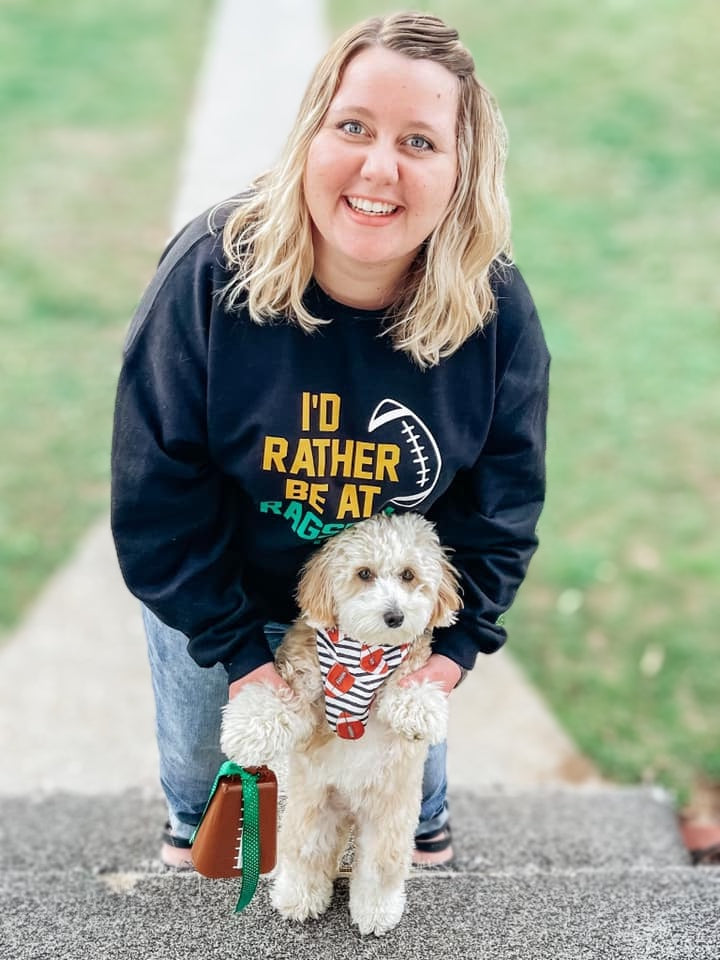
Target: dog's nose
[393, 618]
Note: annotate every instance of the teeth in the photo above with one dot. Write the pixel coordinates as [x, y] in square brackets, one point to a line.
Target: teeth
[370, 206]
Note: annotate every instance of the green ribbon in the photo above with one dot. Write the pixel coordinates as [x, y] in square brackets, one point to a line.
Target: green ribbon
[250, 830]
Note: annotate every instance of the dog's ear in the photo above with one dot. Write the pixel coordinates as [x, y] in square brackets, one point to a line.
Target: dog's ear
[315, 594]
[448, 597]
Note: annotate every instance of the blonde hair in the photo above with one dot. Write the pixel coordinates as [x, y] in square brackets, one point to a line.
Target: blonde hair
[447, 294]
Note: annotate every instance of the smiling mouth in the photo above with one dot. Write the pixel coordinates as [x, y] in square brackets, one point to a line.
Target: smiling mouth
[372, 208]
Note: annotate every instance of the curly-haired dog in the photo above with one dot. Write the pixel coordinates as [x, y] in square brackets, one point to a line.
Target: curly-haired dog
[356, 739]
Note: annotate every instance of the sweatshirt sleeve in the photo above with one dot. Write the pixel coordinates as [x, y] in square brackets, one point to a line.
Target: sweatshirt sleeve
[489, 514]
[173, 511]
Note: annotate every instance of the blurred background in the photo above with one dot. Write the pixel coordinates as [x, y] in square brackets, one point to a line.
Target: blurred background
[614, 182]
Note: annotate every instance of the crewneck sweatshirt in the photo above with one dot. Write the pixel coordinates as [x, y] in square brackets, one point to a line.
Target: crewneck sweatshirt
[238, 447]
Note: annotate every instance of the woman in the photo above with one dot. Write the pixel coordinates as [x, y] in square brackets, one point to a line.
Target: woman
[348, 337]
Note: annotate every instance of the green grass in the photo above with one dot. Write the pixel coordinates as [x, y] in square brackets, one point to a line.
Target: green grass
[614, 181]
[93, 99]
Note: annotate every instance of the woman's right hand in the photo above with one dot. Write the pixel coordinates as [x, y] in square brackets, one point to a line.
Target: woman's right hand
[263, 674]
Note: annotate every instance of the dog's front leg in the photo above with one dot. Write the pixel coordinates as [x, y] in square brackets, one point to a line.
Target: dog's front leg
[384, 839]
[262, 723]
[417, 712]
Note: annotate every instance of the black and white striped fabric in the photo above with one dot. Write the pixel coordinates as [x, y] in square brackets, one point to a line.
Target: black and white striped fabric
[352, 673]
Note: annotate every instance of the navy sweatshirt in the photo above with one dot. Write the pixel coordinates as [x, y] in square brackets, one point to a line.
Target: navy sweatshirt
[239, 447]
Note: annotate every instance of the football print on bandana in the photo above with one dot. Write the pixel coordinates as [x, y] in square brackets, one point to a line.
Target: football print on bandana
[353, 673]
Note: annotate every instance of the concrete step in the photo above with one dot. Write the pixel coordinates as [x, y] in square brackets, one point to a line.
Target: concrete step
[567, 829]
[551, 874]
[543, 830]
[664, 914]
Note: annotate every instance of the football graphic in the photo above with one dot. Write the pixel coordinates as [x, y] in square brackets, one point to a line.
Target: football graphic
[349, 727]
[372, 660]
[339, 680]
[420, 463]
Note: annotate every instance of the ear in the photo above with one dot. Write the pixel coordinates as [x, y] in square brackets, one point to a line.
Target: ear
[448, 598]
[315, 594]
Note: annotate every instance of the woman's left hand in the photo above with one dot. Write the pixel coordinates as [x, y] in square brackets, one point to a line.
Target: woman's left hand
[441, 670]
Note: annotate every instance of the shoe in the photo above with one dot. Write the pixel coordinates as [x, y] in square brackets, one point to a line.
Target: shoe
[708, 855]
[175, 851]
[434, 849]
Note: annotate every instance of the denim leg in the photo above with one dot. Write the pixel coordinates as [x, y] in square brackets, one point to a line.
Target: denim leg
[188, 701]
[274, 633]
[434, 809]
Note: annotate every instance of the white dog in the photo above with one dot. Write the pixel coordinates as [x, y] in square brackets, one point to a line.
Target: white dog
[355, 740]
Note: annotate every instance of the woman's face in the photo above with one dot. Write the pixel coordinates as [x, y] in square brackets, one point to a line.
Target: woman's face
[382, 168]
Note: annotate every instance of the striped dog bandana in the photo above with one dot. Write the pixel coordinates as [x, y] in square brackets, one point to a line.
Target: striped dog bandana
[352, 673]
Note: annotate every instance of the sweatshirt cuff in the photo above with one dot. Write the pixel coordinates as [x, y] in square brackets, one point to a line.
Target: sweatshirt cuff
[464, 641]
[252, 653]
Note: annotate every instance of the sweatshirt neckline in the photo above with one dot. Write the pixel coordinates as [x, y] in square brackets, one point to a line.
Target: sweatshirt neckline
[328, 308]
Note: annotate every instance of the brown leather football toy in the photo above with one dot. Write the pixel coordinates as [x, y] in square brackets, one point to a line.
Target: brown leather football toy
[217, 845]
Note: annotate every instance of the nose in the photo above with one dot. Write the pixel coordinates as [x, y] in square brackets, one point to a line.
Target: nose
[380, 163]
[393, 618]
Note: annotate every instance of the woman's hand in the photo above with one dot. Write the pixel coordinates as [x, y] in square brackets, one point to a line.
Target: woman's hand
[441, 670]
[264, 674]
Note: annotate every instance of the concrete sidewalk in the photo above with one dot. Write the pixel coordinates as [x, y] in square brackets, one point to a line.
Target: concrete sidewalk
[75, 701]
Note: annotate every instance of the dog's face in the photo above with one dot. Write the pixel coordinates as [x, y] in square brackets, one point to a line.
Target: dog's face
[385, 581]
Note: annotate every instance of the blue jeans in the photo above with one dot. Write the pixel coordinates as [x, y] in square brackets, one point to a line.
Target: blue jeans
[188, 701]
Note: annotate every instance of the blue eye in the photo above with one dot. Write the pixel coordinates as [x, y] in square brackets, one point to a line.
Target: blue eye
[420, 143]
[353, 127]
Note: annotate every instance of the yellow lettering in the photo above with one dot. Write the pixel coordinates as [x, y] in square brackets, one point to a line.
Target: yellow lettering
[274, 454]
[315, 496]
[305, 411]
[296, 490]
[341, 454]
[329, 412]
[362, 468]
[348, 502]
[303, 460]
[321, 445]
[325, 457]
[388, 457]
[369, 493]
[311, 493]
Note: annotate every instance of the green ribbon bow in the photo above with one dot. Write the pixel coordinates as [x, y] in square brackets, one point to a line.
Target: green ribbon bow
[250, 830]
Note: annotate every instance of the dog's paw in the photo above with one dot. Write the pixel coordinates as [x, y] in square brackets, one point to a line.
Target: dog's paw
[262, 723]
[417, 712]
[375, 911]
[299, 897]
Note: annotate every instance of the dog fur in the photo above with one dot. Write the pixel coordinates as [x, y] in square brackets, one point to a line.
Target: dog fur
[371, 785]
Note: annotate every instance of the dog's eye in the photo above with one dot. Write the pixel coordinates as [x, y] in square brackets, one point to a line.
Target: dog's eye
[407, 575]
[365, 573]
